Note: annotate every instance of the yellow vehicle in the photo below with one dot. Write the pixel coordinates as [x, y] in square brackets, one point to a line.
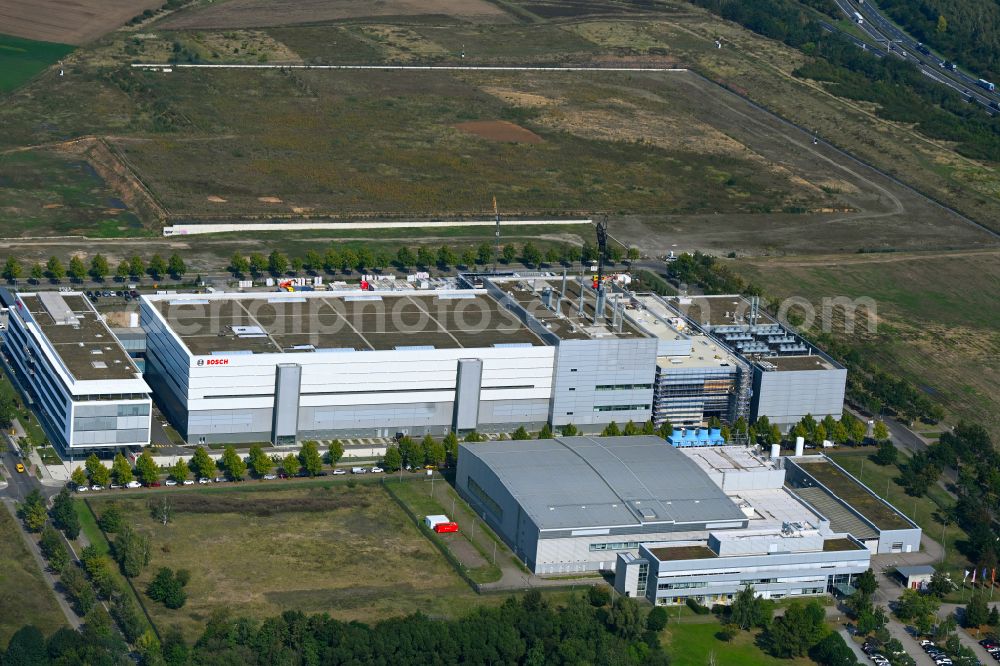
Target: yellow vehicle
[20, 468]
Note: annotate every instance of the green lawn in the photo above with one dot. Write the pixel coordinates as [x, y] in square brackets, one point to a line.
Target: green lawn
[924, 510]
[25, 597]
[691, 644]
[21, 59]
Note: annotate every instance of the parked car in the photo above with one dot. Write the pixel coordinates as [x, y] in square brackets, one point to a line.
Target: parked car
[338, 472]
[170, 482]
[377, 470]
[203, 480]
[82, 489]
[156, 484]
[270, 477]
[133, 484]
[187, 482]
[358, 470]
[115, 486]
[96, 487]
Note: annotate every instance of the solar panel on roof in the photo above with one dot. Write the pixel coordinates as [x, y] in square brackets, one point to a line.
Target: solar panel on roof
[334, 350]
[413, 347]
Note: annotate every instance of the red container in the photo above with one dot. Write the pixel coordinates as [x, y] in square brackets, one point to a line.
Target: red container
[446, 527]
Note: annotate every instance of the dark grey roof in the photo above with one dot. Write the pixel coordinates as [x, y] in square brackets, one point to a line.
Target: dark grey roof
[595, 482]
[915, 570]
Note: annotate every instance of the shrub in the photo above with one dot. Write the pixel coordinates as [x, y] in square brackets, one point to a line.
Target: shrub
[696, 607]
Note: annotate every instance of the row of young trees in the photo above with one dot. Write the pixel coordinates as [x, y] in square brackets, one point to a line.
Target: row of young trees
[340, 258]
[309, 461]
[132, 268]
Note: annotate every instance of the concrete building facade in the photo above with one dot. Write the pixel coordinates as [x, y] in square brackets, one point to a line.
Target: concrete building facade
[85, 389]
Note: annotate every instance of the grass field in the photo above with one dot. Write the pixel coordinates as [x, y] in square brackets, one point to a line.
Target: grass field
[350, 552]
[698, 643]
[938, 316]
[22, 59]
[926, 510]
[44, 194]
[25, 597]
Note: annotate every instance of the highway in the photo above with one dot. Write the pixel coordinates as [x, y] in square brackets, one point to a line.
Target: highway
[883, 31]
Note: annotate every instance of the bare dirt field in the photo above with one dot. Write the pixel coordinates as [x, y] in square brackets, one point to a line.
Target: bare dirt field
[262, 13]
[76, 22]
[499, 130]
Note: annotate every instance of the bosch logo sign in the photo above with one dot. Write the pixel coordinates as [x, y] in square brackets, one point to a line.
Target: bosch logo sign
[213, 361]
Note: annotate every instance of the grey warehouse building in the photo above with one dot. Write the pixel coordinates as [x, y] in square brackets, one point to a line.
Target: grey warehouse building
[571, 503]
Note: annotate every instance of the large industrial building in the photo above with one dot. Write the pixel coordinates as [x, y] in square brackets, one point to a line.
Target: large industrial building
[673, 523]
[83, 386]
[484, 352]
[478, 352]
[788, 377]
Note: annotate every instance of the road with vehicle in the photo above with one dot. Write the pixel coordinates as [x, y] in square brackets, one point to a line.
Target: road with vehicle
[881, 30]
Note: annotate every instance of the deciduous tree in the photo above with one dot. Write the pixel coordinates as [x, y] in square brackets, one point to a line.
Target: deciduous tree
[121, 470]
[179, 471]
[290, 463]
[157, 267]
[146, 469]
[335, 452]
[202, 464]
[310, 457]
[55, 269]
[99, 267]
[176, 266]
[77, 269]
[98, 473]
[260, 462]
[232, 461]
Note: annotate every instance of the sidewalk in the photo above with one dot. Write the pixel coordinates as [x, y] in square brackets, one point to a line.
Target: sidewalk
[32, 545]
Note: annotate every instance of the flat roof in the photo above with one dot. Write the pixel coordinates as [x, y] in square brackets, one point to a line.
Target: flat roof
[677, 553]
[795, 363]
[727, 459]
[915, 570]
[277, 322]
[775, 507]
[569, 324]
[589, 482]
[78, 334]
[718, 310]
[854, 493]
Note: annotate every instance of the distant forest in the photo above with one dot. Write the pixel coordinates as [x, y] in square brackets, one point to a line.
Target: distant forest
[901, 92]
[964, 31]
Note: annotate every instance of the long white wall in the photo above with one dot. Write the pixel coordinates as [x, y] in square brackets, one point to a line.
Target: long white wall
[368, 377]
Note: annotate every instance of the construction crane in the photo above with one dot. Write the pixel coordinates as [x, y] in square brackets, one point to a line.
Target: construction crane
[602, 253]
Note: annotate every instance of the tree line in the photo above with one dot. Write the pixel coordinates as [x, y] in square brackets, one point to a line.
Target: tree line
[339, 258]
[897, 87]
[869, 385]
[98, 268]
[308, 461]
[965, 31]
[528, 631]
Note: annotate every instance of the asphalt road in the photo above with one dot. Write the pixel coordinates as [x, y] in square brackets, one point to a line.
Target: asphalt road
[883, 31]
[19, 483]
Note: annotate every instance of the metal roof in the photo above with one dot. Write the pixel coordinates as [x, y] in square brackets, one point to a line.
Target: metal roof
[585, 483]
